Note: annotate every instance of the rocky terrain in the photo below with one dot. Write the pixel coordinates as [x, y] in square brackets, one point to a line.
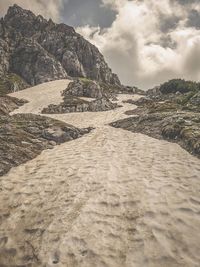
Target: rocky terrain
[32, 51]
[110, 198]
[96, 98]
[172, 112]
[39, 50]
[10, 83]
[8, 104]
[24, 136]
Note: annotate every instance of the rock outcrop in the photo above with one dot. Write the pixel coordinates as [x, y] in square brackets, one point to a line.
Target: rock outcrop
[85, 88]
[4, 55]
[8, 104]
[172, 113]
[33, 63]
[76, 104]
[40, 50]
[11, 83]
[24, 136]
[96, 98]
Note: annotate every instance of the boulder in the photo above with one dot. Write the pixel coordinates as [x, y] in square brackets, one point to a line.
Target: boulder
[84, 88]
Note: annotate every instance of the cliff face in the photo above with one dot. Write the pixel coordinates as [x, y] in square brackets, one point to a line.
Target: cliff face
[39, 50]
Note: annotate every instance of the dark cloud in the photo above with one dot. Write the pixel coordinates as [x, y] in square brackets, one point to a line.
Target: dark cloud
[166, 41]
[185, 2]
[192, 61]
[194, 19]
[92, 12]
[73, 12]
[168, 23]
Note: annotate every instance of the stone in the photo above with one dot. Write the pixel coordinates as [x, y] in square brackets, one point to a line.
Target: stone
[30, 61]
[83, 88]
[40, 50]
[53, 143]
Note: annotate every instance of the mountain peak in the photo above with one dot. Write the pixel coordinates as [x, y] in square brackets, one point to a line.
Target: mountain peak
[16, 12]
[43, 50]
[15, 9]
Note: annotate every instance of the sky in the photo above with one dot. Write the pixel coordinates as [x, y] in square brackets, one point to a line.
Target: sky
[145, 42]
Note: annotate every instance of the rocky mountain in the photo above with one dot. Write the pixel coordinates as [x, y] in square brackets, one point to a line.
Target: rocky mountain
[39, 50]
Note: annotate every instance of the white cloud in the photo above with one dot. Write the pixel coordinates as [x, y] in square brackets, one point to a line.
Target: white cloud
[139, 51]
[47, 8]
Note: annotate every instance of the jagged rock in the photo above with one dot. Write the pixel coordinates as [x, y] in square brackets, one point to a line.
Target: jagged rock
[141, 101]
[33, 63]
[78, 105]
[8, 104]
[195, 100]
[102, 104]
[40, 50]
[83, 88]
[57, 135]
[72, 64]
[4, 57]
[132, 90]
[10, 83]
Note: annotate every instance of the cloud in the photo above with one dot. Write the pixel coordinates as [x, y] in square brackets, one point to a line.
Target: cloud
[145, 42]
[150, 41]
[83, 12]
[47, 8]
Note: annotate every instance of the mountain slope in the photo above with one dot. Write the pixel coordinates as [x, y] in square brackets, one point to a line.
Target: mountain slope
[39, 50]
[109, 199]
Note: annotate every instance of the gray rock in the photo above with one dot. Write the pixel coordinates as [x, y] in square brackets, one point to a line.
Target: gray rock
[32, 62]
[40, 50]
[19, 144]
[8, 104]
[57, 135]
[4, 57]
[84, 88]
[53, 143]
[195, 100]
[102, 104]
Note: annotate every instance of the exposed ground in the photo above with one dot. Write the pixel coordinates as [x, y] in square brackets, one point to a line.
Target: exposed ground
[174, 117]
[109, 199]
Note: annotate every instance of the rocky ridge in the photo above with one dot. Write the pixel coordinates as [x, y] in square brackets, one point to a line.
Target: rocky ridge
[39, 50]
